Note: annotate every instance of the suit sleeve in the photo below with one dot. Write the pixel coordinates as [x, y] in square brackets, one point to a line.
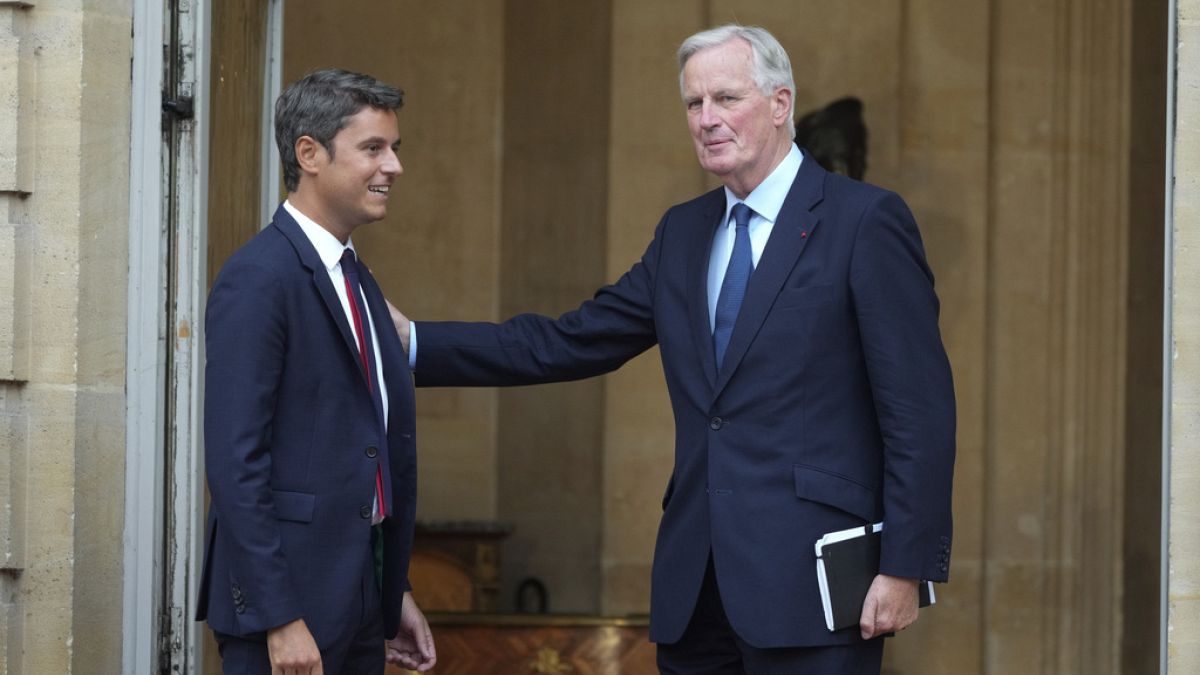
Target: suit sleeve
[614, 326]
[245, 343]
[897, 313]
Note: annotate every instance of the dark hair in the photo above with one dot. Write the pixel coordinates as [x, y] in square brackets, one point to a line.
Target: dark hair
[318, 105]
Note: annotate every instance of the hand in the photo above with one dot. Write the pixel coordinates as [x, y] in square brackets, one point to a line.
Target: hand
[402, 324]
[891, 605]
[293, 650]
[412, 647]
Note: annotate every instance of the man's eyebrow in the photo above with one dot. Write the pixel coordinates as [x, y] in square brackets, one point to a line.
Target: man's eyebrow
[375, 140]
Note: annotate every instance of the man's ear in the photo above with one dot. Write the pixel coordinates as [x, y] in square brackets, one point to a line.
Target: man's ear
[781, 111]
[310, 154]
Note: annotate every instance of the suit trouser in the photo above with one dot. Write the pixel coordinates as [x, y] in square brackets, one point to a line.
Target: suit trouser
[710, 646]
[360, 651]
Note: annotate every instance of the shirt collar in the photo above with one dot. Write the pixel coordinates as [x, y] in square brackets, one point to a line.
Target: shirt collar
[767, 199]
[328, 247]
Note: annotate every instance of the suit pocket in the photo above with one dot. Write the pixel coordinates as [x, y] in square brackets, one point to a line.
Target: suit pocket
[293, 506]
[829, 488]
[804, 296]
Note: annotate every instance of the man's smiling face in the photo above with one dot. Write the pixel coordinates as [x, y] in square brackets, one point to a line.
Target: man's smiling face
[353, 181]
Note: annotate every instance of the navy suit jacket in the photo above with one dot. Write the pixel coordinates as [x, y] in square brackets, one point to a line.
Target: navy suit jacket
[834, 405]
[292, 445]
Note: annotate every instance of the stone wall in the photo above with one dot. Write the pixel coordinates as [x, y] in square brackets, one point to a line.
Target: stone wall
[64, 193]
[1184, 576]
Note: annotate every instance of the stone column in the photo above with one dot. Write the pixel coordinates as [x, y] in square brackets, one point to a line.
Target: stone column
[1183, 629]
[64, 191]
[16, 182]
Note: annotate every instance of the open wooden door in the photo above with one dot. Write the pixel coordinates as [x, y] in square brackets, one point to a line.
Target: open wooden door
[243, 169]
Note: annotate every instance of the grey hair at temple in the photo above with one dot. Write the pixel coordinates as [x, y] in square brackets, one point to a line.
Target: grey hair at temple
[318, 105]
[772, 67]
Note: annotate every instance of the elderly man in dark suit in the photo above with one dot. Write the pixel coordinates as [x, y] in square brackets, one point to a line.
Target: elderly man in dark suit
[798, 329]
[309, 419]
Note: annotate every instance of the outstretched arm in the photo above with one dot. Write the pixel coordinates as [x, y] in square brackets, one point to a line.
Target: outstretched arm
[614, 326]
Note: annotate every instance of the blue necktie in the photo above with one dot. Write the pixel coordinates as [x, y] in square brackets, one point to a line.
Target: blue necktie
[733, 288]
[366, 347]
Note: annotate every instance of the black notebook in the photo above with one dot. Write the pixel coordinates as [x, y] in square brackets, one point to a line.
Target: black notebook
[847, 562]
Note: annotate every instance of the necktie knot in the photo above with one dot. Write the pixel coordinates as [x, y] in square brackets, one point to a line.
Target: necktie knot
[741, 214]
[347, 259]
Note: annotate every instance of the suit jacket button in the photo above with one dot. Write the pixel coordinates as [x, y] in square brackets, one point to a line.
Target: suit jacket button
[372, 451]
[715, 423]
[364, 511]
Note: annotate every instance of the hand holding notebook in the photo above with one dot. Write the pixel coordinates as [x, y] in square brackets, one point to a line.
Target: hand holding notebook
[847, 564]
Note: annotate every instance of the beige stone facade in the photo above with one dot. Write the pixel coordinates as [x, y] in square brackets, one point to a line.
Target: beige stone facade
[1183, 628]
[64, 195]
[1027, 137]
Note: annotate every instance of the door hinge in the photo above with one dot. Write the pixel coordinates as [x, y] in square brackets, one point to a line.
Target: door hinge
[180, 108]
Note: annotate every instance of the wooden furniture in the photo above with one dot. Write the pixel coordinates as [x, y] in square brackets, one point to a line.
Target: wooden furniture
[539, 644]
[455, 573]
[455, 565]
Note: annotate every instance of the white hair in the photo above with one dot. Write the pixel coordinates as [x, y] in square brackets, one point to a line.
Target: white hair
[772, 67]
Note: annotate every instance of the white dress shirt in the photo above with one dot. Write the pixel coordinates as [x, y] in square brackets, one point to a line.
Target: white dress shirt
[330, 250]
[765, 201]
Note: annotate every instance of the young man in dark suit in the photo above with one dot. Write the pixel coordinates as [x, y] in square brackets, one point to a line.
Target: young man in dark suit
[309, 422]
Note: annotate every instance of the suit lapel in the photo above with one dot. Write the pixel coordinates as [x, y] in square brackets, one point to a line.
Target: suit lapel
[320, 275]
[395, 361]
[398, 383]
[697, 279]
[793, 228]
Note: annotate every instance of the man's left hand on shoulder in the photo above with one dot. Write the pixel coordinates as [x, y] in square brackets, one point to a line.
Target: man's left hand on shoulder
[891, 606]
[412, 647]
